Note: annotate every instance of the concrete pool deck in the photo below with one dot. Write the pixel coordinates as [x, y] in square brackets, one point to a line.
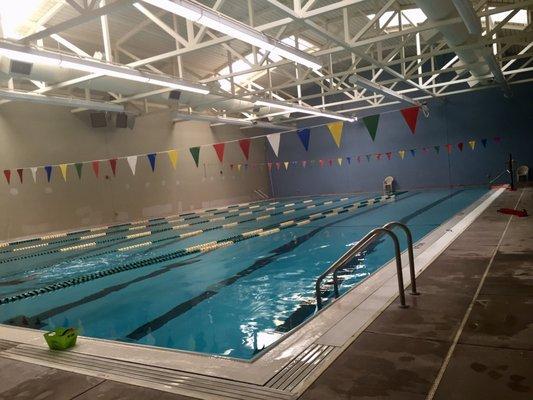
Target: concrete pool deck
[466, 337]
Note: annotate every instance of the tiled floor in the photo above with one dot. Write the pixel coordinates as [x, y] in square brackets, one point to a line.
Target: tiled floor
[401, 354]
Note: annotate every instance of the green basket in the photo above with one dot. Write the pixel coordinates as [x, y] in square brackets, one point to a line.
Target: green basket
[61, 338]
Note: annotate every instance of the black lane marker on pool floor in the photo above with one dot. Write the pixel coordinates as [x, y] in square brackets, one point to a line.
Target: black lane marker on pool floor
[212, 290]
[39, 319]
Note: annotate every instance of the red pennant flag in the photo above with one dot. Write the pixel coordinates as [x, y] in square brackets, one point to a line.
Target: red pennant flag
[410, 116]
[96, 167]
[330, 162]
[321, 162]
[219, 148]
[7, 174]
[113, 164]
[378, 156]
[269, 166]
[245, 147]
[425, 150]
[389, 155]
[20, 171]
[449, 147]
[460, 146]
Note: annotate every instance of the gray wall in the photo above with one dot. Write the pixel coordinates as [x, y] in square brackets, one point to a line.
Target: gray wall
[475, 115]
[32, 135]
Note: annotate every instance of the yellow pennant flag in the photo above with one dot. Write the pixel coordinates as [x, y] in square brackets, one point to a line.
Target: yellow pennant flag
[239, 166]
[286, 163]
[401, 153]
[335, 128]
[63, 168]
[173, 157]
[472, 144]
[339, 161]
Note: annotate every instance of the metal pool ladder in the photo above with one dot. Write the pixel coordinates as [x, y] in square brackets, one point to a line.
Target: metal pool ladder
[361, 245]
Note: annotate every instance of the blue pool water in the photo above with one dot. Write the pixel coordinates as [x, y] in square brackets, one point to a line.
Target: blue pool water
[235, 300]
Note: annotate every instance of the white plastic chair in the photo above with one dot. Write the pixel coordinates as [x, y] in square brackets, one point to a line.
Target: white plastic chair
[387, 185]
[522, 172]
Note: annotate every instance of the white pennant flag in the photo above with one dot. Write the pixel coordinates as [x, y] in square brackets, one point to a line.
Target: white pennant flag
[274, 139]
[132, 161]
[34, 173]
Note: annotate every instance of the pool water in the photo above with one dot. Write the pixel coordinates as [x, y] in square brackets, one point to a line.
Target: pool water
[208, 282]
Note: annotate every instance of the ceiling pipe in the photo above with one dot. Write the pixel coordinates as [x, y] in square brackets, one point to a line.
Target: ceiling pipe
[216, 120]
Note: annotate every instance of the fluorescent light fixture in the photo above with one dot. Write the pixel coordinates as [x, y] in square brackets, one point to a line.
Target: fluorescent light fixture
[221, 23]
[15, 95]
[216, 120]
[305, 110]
[93, 66]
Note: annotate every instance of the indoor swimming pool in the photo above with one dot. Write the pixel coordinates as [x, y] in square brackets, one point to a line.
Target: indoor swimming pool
[228, 281]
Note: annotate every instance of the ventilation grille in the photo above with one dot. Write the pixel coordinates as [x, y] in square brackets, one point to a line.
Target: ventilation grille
[20, 68]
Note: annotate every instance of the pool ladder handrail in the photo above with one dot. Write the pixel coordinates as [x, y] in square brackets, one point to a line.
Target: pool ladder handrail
[361, 245]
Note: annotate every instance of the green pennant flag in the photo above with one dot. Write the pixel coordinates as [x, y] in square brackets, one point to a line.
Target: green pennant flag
[437, 149]
[371, 123]
[78, 166]
[195, 152]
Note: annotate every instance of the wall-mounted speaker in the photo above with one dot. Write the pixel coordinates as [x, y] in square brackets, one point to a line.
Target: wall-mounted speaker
[98, 119]
[122, 120]
[174, 95]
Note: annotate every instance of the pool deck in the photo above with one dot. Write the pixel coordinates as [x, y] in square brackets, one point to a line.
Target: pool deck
[469, 335]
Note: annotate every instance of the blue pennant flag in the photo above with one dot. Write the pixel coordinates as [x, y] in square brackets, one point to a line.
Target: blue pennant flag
[304, 135]
[413, 152]
[48, 170]
[151, 158]
[484, 142]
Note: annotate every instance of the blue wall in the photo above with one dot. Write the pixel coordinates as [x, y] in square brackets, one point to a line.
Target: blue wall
[458, 118]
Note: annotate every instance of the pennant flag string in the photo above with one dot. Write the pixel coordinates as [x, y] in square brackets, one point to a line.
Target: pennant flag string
[219, 149]
[48, 169]
[371, 122]
[79, 167]
[7, 174]
[151, 159]
[274, 140]
[304, 135]
[245, 147]
[132, 162]
[63, 169]
[34, 173]
[410, 116]
[173, 157]
[113, 164]
[195, 152]
[335, 129]
[96, 167]
[20, 173]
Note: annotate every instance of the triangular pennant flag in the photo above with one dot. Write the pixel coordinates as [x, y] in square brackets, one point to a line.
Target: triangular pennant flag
[219, 148]
[274, 139]
[79, 167]
[335, 128]
[378, 156]
[437, 149]
[425, 150]
[339, 161]
[359, 159]
[269, 165]
[173, 157]
[96, 167]
[304, 163]
[113, 164]
[371, 122]
[132, 162]
[304, 135]
[449, 147]
[497, 139]
[321, 163]
[368, 156]
[410, 116]
[48, 170]
[349, 159]
[401, 153]
[245, 166]
[413, 152]
[484, 142]
[286, 163]
[63, 168]
[7, 174]
[245, 147]
[34, 173]
[389, 155]
[151, 159]
[460, 146]
[239, 166]
[20, 172]
[195, 153]
[472, 144]
[330, 162]
[278, 165]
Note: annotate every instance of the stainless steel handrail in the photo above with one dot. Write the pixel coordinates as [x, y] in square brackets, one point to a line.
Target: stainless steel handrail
[362, 244]
[410, 252]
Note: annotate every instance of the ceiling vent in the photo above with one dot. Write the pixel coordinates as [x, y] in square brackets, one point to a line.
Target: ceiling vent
[20, 68]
